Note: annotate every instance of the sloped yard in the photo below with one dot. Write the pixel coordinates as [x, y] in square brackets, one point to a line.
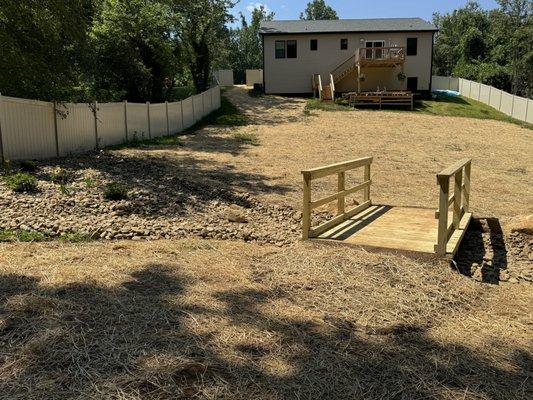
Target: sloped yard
[228, 304]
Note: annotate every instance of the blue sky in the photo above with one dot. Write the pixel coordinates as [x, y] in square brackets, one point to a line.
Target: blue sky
[291, 9]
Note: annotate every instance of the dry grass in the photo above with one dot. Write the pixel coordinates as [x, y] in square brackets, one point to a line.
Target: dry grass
[225, 320]
[409, 149]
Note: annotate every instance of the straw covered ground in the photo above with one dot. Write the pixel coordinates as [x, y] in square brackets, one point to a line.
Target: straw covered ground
[227, 320]
[213, 319]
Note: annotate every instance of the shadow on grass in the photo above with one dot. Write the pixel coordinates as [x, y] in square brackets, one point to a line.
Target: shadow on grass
[137, 340]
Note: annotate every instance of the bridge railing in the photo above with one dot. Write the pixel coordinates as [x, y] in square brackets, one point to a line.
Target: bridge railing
[340, 170]
[459, 173]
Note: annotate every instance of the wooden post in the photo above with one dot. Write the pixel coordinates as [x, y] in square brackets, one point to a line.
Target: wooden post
[182, 122]
[55, 129]
[442, 235]
[457, 199]
[341, 178]
[466, 192]
[96, 124]
[168, 125]
[366, 193]
[126, 120]
[306, 212]
[149, 122]
[2, 156]
[358, 78]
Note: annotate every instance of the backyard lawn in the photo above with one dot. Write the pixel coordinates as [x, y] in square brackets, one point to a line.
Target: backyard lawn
[197, 285]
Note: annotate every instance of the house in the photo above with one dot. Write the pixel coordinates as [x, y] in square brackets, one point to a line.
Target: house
[355, 55]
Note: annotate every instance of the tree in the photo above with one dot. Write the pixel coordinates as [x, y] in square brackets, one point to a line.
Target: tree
[43, 44]
[133, 51]
[318, 10]
[246, 48]
[202, 35]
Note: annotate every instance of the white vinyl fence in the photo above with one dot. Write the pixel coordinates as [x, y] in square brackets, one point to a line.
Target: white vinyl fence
[514, 106]
[254, 76]
[31, 129]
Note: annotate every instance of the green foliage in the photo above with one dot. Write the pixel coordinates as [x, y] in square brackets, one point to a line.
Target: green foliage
[246, 48]
[316, 104]
[318, 10]
[60, 176]
[65, 190]
[75, 237]
[21, 236]
[89, 182]
[493, 47]
[226, 115]
[28, 166]
[21, 182]
[115, 191]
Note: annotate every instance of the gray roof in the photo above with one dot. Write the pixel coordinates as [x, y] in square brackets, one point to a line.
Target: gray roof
[347, 25]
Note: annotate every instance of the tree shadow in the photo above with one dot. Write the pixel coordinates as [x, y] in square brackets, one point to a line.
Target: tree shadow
[136, 340]
[483, 248]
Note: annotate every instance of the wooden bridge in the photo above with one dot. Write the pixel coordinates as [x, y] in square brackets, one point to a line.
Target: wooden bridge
[400, 229]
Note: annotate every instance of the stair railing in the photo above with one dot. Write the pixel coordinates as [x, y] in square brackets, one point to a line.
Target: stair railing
[332, 86]
[344, 66]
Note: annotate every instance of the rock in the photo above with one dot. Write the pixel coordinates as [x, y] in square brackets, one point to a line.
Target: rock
[236, 214]
[522, 224]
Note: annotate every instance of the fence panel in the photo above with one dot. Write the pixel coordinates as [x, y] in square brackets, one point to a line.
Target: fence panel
[454, 83]
[254, 76]
[137, 121]
[188, 115]
[225, 77]
[207, 99]
[507, 103]
[529, 117]
[484, 96]
[28, 130]
[111, 124]
[495, 98]
[158, 120]
[440, 83]
[519, 108]
[75, 128]
[217, 98]
[475, 89]
[197, 100]
[175, 123]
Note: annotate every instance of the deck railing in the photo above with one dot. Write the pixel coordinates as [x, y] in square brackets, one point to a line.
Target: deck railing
[340, 169]
[459, 173]
[396, 54]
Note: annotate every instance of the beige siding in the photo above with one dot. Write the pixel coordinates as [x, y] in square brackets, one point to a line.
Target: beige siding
[294, 75]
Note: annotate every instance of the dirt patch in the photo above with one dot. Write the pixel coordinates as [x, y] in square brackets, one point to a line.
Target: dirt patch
[203, 319]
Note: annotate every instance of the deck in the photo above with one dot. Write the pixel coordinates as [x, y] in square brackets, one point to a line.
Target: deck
[400, 229]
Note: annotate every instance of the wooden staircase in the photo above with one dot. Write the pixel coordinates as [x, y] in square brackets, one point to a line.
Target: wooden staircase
[325, 93]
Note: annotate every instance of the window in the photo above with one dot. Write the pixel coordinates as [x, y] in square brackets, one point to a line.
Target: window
[377, 53]
[344, 44]
[291, 49]
[412, 44]
[314, 45]
[280, 48]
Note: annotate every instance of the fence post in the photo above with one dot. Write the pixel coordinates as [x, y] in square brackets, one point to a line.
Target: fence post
[2, 156]
[168, 126]
[203, 104]
[126, 120]
[193, 115]
[56, 136]
[149, 122]
[96, 124]
[341, 179]
[367, 179]
[512, 106]
[525, 118]
[490, 94]
[501, 95]
[479, 92]
[306, 212]
[442, 235]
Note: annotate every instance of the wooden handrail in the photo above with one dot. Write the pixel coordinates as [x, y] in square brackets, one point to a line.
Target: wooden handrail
[339, 68]
[340, 169]
[381, 53]
[460, 173]
[332, 86]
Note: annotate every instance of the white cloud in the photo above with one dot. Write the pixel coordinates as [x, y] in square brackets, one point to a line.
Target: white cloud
[253, 6]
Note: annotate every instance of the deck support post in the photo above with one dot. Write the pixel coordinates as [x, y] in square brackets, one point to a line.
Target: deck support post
[306, 211]
[442, 235]
[358, 78]
[341, 178]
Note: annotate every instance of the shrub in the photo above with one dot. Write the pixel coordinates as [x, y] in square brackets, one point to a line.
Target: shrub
[21, 182]
[75, 237]
[26, 236]
[60, 176]
[28, 166]
[115, 191]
